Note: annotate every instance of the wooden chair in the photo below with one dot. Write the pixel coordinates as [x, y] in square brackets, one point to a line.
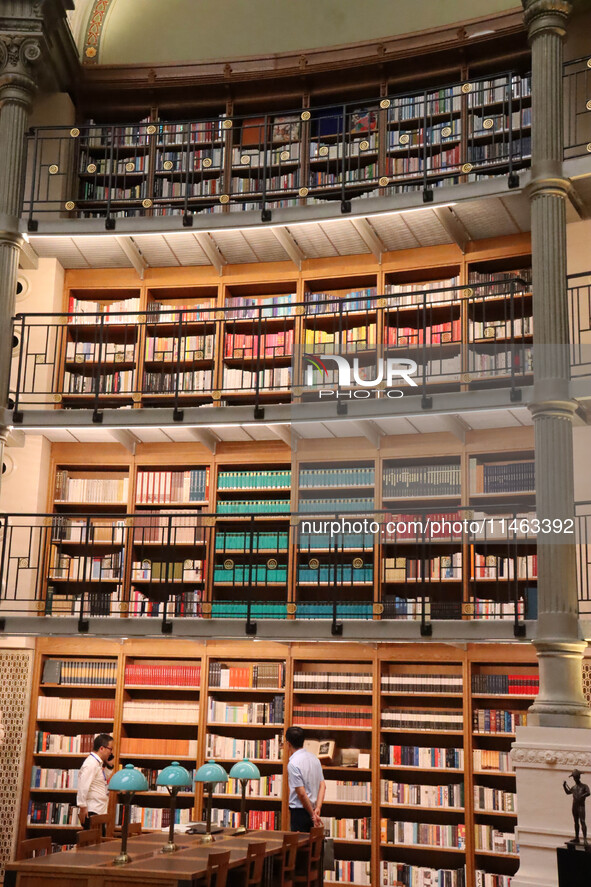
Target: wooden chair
[135, 828]
[216, 873]
[255, 860]
[36, 847]
[91, 836]
[313, 874]
[104, 819]
[289, 852]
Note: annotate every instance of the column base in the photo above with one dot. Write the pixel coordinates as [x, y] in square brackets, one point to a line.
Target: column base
[543, 758]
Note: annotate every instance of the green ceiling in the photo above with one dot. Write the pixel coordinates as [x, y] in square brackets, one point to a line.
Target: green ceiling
[150, 31]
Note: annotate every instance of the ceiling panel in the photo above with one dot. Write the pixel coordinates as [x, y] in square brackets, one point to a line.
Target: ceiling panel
[394, 232]
[313, 241]
[345, 238]
[235, 247]
[157, 251]
[427, 228]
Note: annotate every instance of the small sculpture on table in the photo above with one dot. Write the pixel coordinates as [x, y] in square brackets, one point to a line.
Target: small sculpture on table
[580, 792]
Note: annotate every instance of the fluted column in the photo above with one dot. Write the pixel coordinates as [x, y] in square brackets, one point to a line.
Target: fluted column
[558, 640]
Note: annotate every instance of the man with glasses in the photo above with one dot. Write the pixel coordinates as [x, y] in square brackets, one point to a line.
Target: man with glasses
[93, 794]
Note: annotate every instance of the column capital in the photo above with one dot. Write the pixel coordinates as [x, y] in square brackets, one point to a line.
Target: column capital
[19, 56]
[546, 16]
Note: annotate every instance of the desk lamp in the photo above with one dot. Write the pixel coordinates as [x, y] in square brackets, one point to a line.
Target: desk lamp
[127, 782]
[174, 777]
[244, 771]
[210, 774]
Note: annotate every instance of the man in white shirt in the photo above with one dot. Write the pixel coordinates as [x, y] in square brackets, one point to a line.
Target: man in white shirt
[93, 793]
[306, 783]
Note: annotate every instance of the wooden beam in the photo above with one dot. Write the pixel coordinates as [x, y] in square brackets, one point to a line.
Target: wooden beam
[28, 259]
[134, 254]
[205, 437]
[126, 438]
[291, 247]
[211, 250]
[370, 431]
[16, 438]
[369, 237]
[454, 425]
[287, 434]
[453, 226]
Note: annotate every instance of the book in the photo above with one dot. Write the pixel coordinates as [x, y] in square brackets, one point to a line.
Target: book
[323, 749]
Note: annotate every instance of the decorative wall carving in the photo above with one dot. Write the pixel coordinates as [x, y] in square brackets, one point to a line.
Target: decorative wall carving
[92, 37]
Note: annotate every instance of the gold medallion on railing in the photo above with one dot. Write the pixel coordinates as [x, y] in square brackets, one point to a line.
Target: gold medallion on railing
[589, 147]
[23, 563]
[128, 521]
[53, 169]
[323, 151]
[199, 355]
[290, 609]
[314, 563]
[245, 159]
[404, 139]
[303, 192]
[188, 565]
[297, 392]
[378, 609]
[123, 607]
[219, 315]
[228, 564]
[57, 398]
[79, 358]
[69, 205]
[39, 358]
[381, 303]
[385, 103]
[466, 167]
[91, 167]
[589, 63]
[136, 397]
[466, 377]
[209, 521]
[74, 132]
[168, 164]
[146, 203]
[295, 521]
[284, 155]
[272, 563]
[224, 198]
[466, 87]
[206, 609]
[357, 563]
[446, 131]
[130, 167]
[468, 292]
[305, 115]
[488, 123]
[47, 521]
[41, 606]
[216, 395]
[119, 357]
[141, 318]
[467, 609]
[207, 162]
[151, 129]
[383, 181]
[299, 310]
[227, 124]
[489, 333]
[364, 145]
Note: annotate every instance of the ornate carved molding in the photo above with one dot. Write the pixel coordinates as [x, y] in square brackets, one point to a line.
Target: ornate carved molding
[544, 757]
[546, 16]
[19, 54]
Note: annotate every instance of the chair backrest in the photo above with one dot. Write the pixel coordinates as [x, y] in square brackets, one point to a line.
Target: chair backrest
[134, 828]
[315, 873]
[104, 819]
[36, 847]
[255, 861]
[92, 836]
[216, 874]
[289, 852]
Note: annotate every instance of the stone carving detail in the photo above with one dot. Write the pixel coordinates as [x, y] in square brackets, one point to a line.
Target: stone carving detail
[18, 54]
[552, 758]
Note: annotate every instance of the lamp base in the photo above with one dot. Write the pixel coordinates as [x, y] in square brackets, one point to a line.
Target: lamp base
[207, 838]
[169, 847]
[241, 830]
[122, 859]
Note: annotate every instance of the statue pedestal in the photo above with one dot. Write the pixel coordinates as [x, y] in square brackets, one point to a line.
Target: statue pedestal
[574, 866]
[543, 758]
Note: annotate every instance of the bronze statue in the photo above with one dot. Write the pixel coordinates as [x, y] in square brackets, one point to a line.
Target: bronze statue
[580, 792]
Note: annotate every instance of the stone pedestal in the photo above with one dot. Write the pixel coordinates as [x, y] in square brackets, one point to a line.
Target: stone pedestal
[543, 758]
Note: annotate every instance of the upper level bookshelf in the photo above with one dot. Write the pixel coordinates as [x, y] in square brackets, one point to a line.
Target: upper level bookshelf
[423, 139]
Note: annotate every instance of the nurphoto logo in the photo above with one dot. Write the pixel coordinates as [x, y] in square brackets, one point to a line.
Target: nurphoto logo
[352, 378]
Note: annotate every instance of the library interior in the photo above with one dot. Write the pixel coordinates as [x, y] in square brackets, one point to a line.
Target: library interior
[315, 278]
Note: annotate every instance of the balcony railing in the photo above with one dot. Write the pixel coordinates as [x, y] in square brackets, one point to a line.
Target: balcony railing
[577, 108]
[422, 139]
[277, 351]
[409, 564]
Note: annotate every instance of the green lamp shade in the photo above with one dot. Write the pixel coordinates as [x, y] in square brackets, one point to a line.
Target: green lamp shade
[245, 770]
[175, 776]
[128, 780]
[211, 772]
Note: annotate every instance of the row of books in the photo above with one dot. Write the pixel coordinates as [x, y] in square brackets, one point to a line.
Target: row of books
[436, 334]
[514, 684]
[401, 874]
[155, 712]
[154, 817]
[106, 166]
[116, 382]
[256, 480]
[488, 879]
[344, 300]
[351, 476]
[492, 759]
[187, 382]
[242, 307]
[449, 795]
[520, 359]
[53, 777]
[424, 833]
[494, 720]
[254, 506]
[189, 160]
[162, 675]
[250, 574]
[503, 477]
[62, 709]
[70, 671]
[331, 342]
[436, 161]
[445, 758]
[169, 527]
[84, 529]
[52, 813]
[261, 541]
[335, 574]
[439, 101]
[421, 480]
[112, 311]
[55, 743]
[252, 713]
[168, 571]
[333, 681]
[349, 504]
[426, 683]
[179, 348]
[90, 489]
[490, 566]
[499, 282]
[347, 790]
[491, 609]
[93, 191]
[500, 329]
[163, 312]
[246, 380]
[270, 786]
[255, 819]
[264, 675]
[207, 187]
[358, 717]
[353, 871]
[247, 346]
[494, 799]
[358, 829]
[498, 89]
[232, 748]
[499, 151]
[416, 293]
[400, 569]
[106, 352]
[426, 719]
[186, 603]
[76, 568]
[165, 487]
[164, 748]
[488, 838]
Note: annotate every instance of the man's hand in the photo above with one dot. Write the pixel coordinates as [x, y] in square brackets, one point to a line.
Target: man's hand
[316, 817]
[82, 814]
